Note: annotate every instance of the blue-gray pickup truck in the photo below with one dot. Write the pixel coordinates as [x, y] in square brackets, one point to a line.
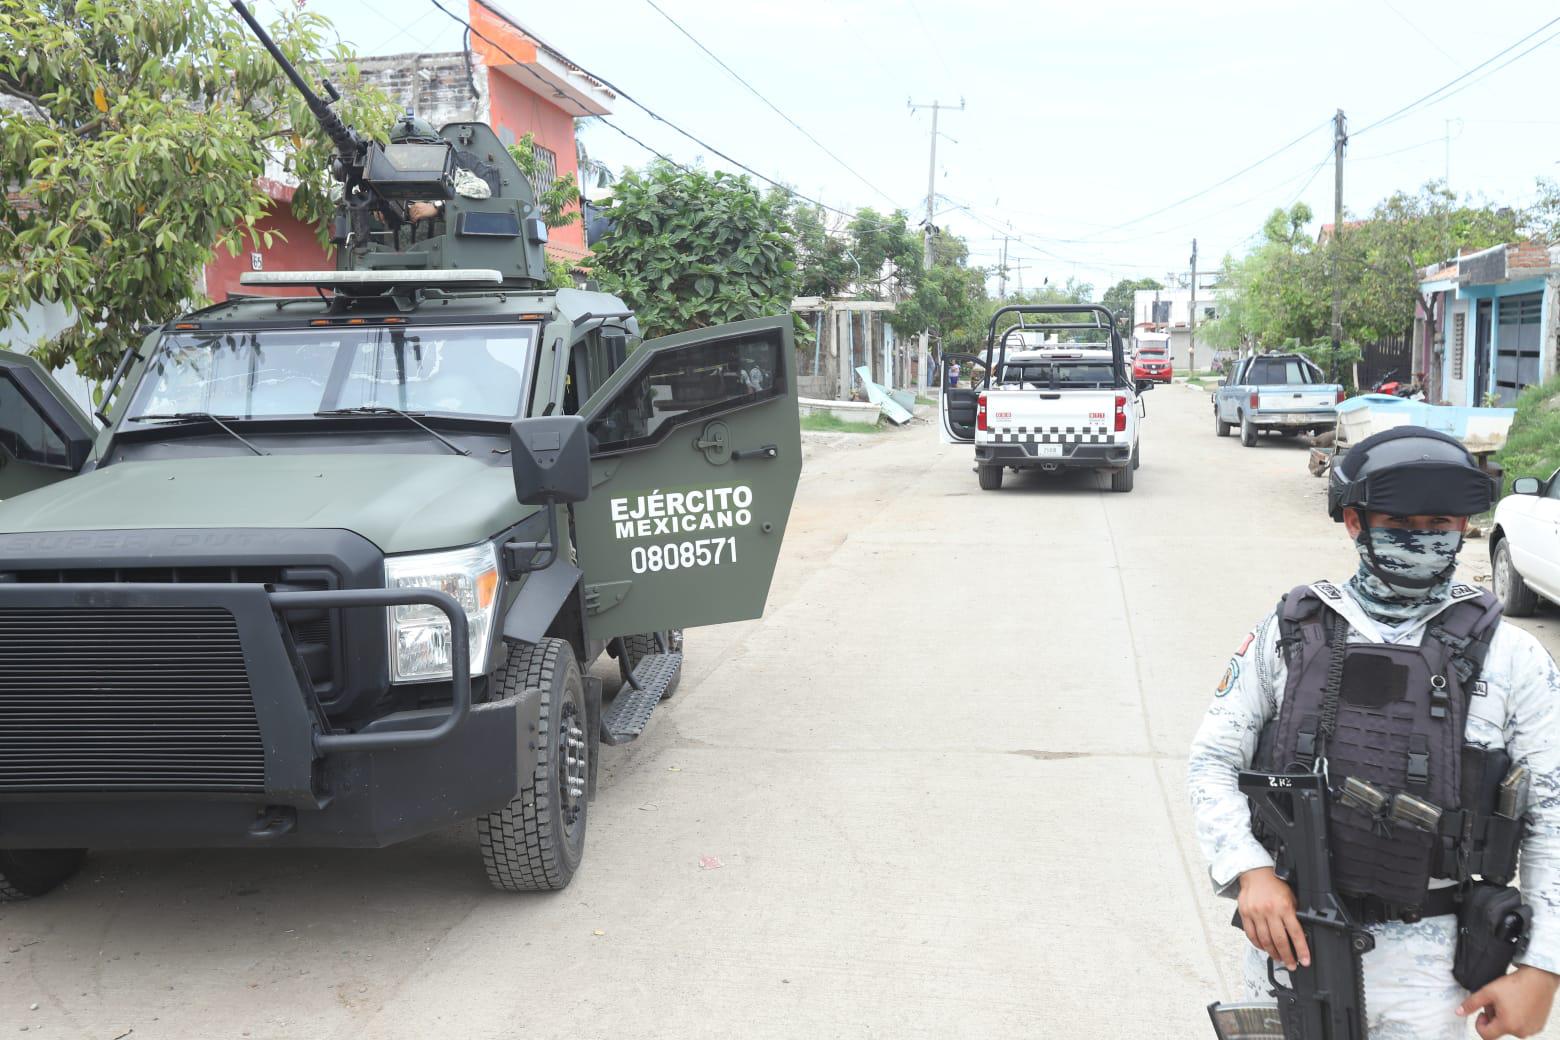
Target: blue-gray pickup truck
[1281, 393]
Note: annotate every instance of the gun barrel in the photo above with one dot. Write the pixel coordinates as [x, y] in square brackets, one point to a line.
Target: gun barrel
[340, 134]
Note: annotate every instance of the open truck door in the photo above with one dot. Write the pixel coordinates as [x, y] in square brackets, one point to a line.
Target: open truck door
[44, 436]
[956, 407]
[695, 456]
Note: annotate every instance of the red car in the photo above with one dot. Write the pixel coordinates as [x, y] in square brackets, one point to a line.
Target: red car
[1152, 363]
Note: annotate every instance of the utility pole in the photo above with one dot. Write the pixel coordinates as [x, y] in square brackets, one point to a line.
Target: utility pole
[1191, 349]
[1340, 138]
[1002, 271]
[1447, 176]
[931, 199]
[1018, 268]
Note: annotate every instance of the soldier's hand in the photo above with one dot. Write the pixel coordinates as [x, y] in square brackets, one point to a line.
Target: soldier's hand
[1267, 913]
[420, 211]
[1513, 1005]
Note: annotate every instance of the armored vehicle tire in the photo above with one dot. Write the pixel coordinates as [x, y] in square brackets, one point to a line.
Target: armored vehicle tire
[536, 842]
[990, 477]
[25, 873]
[1220, 427]
[643, 645]
[1121, 480]
[1515, 597]
[1248, 432]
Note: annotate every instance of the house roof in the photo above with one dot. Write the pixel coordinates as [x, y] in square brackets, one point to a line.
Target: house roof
[1507, 262]
[504, 44]
[1326, 230]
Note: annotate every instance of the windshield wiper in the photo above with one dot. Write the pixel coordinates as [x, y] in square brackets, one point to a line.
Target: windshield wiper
[204, 417]
[370, 409]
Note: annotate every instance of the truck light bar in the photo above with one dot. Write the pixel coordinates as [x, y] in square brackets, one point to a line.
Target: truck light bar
[343, 279]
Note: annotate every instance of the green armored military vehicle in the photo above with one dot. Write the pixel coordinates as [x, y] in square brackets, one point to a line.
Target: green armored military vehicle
[336, 568]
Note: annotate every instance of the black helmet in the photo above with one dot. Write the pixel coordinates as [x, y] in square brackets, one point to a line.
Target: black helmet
[1409, 471]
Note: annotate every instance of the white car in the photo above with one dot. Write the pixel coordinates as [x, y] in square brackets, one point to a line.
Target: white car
[1525, 545]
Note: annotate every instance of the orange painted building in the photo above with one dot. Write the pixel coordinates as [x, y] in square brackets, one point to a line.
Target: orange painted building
[508, 79]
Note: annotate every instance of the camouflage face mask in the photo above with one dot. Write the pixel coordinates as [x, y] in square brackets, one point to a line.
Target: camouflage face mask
[1403, 570]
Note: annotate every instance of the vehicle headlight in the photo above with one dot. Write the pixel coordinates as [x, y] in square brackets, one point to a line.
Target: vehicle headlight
[420, 633]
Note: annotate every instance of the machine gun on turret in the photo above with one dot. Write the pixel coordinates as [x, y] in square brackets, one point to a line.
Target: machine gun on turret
[375, 178]
[489, 220]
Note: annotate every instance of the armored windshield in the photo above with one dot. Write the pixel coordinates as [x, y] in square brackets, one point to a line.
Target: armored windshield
[478, 372]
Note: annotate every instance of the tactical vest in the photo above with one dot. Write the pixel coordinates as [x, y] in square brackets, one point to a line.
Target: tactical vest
[1396, 718]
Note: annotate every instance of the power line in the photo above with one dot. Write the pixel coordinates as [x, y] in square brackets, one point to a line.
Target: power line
[772, 107]
[784, 188]
[1384, 120]
[1199, 194]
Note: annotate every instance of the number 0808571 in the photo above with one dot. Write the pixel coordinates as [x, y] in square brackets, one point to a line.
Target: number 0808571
[704, 552]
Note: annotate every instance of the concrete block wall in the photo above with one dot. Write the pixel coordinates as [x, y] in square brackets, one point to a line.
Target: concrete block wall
[436, 87]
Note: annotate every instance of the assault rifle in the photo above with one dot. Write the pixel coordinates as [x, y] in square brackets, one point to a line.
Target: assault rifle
[1327, 1000]
[372, 175]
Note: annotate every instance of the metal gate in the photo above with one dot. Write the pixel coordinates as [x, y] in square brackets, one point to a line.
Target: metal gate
[1517, 345]
[1388, 357]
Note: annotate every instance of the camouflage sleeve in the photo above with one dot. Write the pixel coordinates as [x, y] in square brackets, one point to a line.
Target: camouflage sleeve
[1533, 738]
[1225, 743]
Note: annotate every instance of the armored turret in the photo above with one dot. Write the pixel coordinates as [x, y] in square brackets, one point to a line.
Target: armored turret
[486, 217]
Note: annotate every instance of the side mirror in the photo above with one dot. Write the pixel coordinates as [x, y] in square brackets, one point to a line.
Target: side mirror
[551, 459]
[1525, 486]
[1144, 384]
[550, 456]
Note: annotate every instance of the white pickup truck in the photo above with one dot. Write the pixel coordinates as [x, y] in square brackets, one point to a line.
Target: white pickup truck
[1062, 406]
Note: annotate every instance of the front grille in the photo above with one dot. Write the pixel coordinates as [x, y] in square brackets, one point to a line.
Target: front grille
[316, 634]
[153, 699]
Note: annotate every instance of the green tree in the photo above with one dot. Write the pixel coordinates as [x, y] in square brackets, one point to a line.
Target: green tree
[826, 266]
[1383, 256]
[1542, 219]
[1070, 292]
[947, 298]
[1276, 296]
[1119, 297]
[558, 200]
[689, 249]
[889, 252]
[144, 129]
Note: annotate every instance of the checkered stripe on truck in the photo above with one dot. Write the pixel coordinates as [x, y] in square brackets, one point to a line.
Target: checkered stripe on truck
[1053, 435]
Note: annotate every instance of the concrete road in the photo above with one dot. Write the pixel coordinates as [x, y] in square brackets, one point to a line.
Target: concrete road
[936, 792]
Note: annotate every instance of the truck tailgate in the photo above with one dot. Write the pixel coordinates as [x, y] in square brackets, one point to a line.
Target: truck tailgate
[1296, 398]
[1049, 416]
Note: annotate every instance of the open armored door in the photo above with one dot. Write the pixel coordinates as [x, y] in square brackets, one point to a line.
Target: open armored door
[695, 453]
[44, 436]
[956, 409]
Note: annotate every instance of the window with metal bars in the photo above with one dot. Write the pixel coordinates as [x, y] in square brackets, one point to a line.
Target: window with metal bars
[549, 171]
[1459, 339]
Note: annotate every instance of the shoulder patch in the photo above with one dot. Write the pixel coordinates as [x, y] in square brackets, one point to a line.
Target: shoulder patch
[1231, 674]
[1461, 591]
[1245, 644]
[1329, 590]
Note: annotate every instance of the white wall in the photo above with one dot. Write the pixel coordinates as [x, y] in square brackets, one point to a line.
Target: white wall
[41, 322]
[1455, 374]
[1180, 304]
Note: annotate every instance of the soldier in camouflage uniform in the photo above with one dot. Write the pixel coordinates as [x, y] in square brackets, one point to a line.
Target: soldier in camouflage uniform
[1403, 584]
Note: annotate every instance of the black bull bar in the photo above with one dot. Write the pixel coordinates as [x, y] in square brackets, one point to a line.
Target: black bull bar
[402, 775]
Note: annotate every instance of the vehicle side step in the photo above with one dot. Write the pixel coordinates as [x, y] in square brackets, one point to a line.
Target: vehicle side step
[628, 714]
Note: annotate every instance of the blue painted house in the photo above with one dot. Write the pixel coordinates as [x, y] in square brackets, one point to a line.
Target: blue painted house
[1496, 325]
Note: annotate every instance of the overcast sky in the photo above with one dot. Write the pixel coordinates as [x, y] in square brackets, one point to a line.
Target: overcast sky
[1079, 116]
